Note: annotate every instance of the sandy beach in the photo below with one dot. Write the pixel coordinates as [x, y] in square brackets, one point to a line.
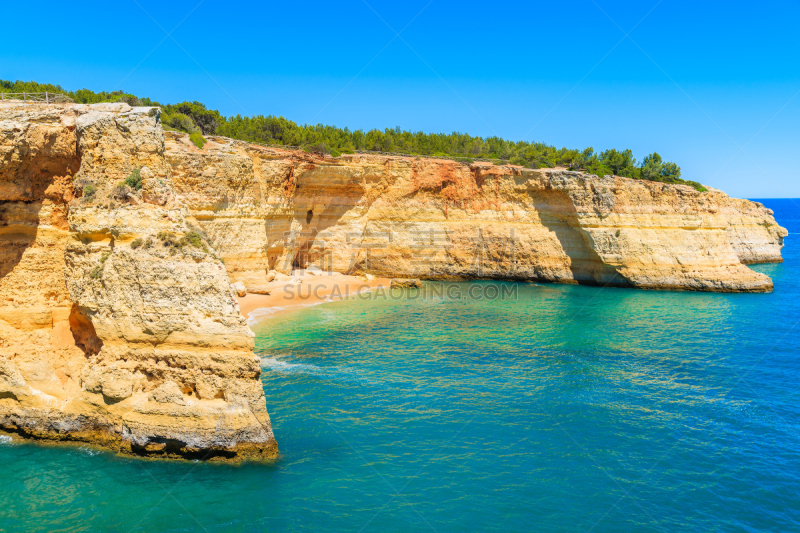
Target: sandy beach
[312, 289]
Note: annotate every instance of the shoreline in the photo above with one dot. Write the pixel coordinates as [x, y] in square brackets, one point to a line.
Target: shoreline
[286, 296]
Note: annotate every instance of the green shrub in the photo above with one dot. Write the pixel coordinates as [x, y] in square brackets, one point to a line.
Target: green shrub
[168, 239]
[205, 120]
[179, 121]
[194, 239]
[89, 190]
[198, 139]
[318, 149]
[171, 240]
[134, 180]
[136, 243]
[96, 272]
[696, 185]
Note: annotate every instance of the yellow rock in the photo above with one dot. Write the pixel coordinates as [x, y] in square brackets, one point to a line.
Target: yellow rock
[115, 328]
[118, 325]
[269, 210]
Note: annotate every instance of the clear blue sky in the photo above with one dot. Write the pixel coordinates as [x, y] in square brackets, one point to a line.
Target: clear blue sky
[711, 86]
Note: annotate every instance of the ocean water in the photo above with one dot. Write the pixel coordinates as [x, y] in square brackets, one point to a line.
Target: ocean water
[556, 408]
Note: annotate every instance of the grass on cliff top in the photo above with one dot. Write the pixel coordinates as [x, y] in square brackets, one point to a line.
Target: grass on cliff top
[197, 139]
[197, 120]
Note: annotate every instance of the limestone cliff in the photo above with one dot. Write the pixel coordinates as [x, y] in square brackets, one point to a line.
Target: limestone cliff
[117, 321]
[266, 208]
[115, 328]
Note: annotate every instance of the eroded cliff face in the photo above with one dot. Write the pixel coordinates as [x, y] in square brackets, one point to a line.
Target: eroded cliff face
[268, 209]
[115, 328]
[117, 322]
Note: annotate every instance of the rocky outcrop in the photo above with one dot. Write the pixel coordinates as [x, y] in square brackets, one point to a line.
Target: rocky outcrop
[118, 323]
[268, 209]
[401, 283]
[119, 244]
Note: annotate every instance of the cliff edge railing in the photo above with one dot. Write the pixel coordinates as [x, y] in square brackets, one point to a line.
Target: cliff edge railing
[45, 97]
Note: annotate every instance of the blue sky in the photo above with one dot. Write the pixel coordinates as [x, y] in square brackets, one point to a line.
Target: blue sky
[711, 86]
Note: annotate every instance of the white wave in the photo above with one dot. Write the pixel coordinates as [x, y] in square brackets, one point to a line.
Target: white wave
[89, 451]
[5, 439]
[254, 316]
[288, 368]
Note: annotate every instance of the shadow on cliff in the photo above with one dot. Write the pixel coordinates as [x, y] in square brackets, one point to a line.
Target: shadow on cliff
[44, 176]
[83, 332]
[13, 243]
[558, 214]
[309, 247]
[316, 205]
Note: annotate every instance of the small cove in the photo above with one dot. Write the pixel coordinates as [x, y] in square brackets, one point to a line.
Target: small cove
[562, 408]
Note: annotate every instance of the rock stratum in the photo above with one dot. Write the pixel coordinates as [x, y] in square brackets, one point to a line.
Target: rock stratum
[271, 209]
[108, 336]
[118, 325]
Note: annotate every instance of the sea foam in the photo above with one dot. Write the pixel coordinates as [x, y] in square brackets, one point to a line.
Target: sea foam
[289, 368]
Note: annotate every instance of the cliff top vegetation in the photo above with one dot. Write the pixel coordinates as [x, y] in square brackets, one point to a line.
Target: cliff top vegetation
[196, 119]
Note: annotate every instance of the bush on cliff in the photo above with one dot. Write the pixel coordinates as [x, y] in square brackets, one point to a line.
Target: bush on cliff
[320, 149]
[134, 180]
[178, 121]
[194, 118]
[194, 239]
[205, 120]
[197, 139]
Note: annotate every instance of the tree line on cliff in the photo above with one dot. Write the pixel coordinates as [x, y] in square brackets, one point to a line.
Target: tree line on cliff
[197, 120]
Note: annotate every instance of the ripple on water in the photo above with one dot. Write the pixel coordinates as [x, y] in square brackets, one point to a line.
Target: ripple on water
[565, 409]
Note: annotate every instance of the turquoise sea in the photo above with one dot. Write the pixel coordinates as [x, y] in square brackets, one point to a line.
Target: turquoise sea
[565, 408]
